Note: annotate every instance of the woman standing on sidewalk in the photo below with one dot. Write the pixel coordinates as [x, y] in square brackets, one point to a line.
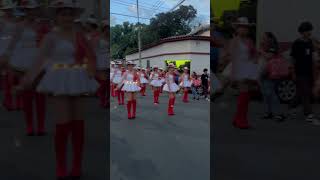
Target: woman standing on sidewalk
[185, 84]
[244, 69]
[156, 84]
[131, 85]
[69, 80]
[171, 87]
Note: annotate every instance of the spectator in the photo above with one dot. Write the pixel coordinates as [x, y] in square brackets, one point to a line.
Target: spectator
[196, 83]
[302, 52]
[205, 82]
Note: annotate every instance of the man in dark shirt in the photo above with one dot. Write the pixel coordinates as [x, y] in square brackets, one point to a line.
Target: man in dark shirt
[302, 52]
[204, 82]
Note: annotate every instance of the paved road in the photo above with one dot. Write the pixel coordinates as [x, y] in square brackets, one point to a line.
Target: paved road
[272, 151]
[32, 158]
[157, 147]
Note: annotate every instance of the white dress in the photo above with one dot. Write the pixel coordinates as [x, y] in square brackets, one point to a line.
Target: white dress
[111, 73]
[117, 76]
[143, 79]
[242, 66]
[156, 81]
[6, 33]
[65, 81]
[173, 86]
[186, 83]
[25, 52]
[129, 84]
[102, 55]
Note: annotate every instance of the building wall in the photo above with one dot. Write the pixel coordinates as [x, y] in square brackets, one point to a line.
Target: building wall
[198, 61]
[286, 16]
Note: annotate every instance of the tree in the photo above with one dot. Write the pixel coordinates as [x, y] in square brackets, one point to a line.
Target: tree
[163, 25]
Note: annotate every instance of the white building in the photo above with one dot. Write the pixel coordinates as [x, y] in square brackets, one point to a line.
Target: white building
[193, 48]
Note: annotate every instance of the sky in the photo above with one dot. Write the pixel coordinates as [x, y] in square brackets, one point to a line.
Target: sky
[121, 10]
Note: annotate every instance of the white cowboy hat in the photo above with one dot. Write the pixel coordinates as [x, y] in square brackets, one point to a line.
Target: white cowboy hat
[56, 4]
[243, 21]
[155, 67]
[161, 69]
[143, 69]
[113, 63]
[28, 4]
[118, 62]
[171, 65]
[186, 68]
[92, 20]
[8, 4]
[130, 63]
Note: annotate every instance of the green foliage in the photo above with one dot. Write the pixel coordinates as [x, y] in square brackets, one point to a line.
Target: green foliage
[124, 37]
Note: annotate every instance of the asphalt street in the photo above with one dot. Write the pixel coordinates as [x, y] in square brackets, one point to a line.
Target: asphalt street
[33, 158]
[271, 151]
[155, 146]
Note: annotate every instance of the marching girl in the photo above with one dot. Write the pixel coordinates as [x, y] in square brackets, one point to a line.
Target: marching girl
[143, 81]
[185, 84]
[21, 53]
[116, 81]
[171, 87]
[68, 80]
[131, 85]
[100, 44]
[156, 84]
[112, 87]
[8, 25]
[162, 78]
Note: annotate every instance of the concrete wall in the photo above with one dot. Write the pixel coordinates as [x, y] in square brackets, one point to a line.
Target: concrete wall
[198, 61]
[284, 16]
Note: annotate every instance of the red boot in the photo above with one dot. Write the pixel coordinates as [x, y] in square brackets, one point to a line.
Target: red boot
[155, 96]
[61, 139]
[41, 113]
[170, 107]
[185, 96]
[134, 108]
[129, 109]
[28, 111]
[119, 96]
[77, 134]
[8, 96]
[240, 119]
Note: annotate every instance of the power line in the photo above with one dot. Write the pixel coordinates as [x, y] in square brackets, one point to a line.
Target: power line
[179, 3]
[126, 15]
[131, 4]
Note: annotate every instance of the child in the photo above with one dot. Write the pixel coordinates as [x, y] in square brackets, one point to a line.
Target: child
[269, 78]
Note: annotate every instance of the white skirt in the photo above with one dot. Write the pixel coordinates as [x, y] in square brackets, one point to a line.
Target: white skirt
[173, 87]
[71, 82]
[143, 81]
[245, 70]
[111, 74]
[24, 60]
[156, 83]
[102, 63]
[185, 84]
[130, 87]
[117, 80]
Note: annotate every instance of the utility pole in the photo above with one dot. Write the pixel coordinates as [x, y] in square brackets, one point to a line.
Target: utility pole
[139, 34]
